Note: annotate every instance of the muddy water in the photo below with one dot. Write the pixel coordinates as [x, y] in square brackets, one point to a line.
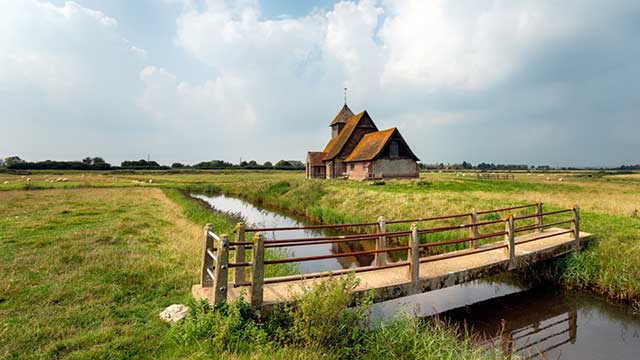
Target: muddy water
[532, 323]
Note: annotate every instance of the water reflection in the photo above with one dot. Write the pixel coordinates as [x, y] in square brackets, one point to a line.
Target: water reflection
[541, 323]
[257, 217]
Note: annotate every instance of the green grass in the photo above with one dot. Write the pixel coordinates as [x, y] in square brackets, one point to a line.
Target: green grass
[84, 274]
[610, 203]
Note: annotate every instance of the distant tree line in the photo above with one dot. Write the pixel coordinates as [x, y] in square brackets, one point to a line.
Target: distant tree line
[630, 167]
[468, 166]
[505, 167]
[98, 163]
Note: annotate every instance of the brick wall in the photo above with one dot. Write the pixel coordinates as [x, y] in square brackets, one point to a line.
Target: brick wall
[360, 170]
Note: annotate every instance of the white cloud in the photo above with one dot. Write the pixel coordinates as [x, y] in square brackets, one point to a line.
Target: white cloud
[67, 81]
[445, 71]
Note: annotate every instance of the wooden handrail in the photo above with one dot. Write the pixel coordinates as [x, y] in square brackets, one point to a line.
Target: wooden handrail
[333, 226]
[216, 248]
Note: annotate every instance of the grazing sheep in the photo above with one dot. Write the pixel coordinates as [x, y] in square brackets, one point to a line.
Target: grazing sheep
[150, 181]
[560, 179]
[6, 182]
[28, 179]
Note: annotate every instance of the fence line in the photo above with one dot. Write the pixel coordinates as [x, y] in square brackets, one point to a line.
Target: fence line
[215, 262]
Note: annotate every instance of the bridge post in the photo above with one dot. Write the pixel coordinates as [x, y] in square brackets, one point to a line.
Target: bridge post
[473, 231]
[221, 271]
[239, 273]
[575, 227]
[415, 259]
[207, 262]
[509, 238]
[539, 217]
[573, 325]
[381, 243]
[257, 272]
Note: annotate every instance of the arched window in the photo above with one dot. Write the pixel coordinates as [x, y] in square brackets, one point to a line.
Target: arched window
[394, 149]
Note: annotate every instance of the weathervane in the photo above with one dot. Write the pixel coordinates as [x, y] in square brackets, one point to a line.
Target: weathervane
[345, 96]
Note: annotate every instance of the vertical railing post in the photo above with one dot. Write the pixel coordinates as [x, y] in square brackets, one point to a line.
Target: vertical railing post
[473, 230]
[539, 217]
[509, 238]
[207, 261]
[221, 271]
[239, 273]
[575, 227]
[257, 272]
[415, 259]
[573, 325]
[381, 243]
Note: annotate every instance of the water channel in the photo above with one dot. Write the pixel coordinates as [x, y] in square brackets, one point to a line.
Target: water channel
[543, 323]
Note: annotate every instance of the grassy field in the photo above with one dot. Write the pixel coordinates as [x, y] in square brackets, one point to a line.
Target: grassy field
[610, 207]
[87, 264]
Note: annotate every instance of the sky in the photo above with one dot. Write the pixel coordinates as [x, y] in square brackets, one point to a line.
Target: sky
[521, 82]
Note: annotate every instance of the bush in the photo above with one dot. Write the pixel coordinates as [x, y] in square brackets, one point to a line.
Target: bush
[323, 317]
[378, 183]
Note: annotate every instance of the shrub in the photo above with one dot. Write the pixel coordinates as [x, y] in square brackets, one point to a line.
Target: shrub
[378, 183]
[323, 317]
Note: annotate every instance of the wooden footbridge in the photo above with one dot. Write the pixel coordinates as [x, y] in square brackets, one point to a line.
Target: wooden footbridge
[437, 255]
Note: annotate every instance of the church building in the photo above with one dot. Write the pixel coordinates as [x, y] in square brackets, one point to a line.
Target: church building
[358, 150]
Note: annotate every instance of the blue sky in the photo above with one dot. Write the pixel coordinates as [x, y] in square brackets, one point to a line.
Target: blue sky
[536, 82]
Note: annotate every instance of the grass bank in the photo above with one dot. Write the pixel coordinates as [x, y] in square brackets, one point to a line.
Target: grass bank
[85, 272]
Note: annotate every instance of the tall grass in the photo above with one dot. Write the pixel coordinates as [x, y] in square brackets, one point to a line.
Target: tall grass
[323, 322]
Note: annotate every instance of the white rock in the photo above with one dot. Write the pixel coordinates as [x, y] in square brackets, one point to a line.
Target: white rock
[174, 313]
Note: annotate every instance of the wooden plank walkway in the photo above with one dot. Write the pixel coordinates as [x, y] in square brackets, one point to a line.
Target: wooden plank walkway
[435, 272]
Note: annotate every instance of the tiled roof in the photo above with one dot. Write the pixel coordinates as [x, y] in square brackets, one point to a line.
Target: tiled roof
[315, 158]
[342, 117]
[370, 145]
[373, 143]
[336, 144]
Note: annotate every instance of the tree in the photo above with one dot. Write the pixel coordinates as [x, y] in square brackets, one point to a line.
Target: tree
[1, 162]
[98, 160]
[87, 161]
[283, 164]
[12, 160]
[177, 165]
[268, 164]
[141, 164]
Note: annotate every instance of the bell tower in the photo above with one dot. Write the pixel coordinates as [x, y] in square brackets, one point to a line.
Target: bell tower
[341, 119]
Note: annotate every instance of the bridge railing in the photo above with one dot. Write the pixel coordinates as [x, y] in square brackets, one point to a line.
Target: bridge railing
[418, 242]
